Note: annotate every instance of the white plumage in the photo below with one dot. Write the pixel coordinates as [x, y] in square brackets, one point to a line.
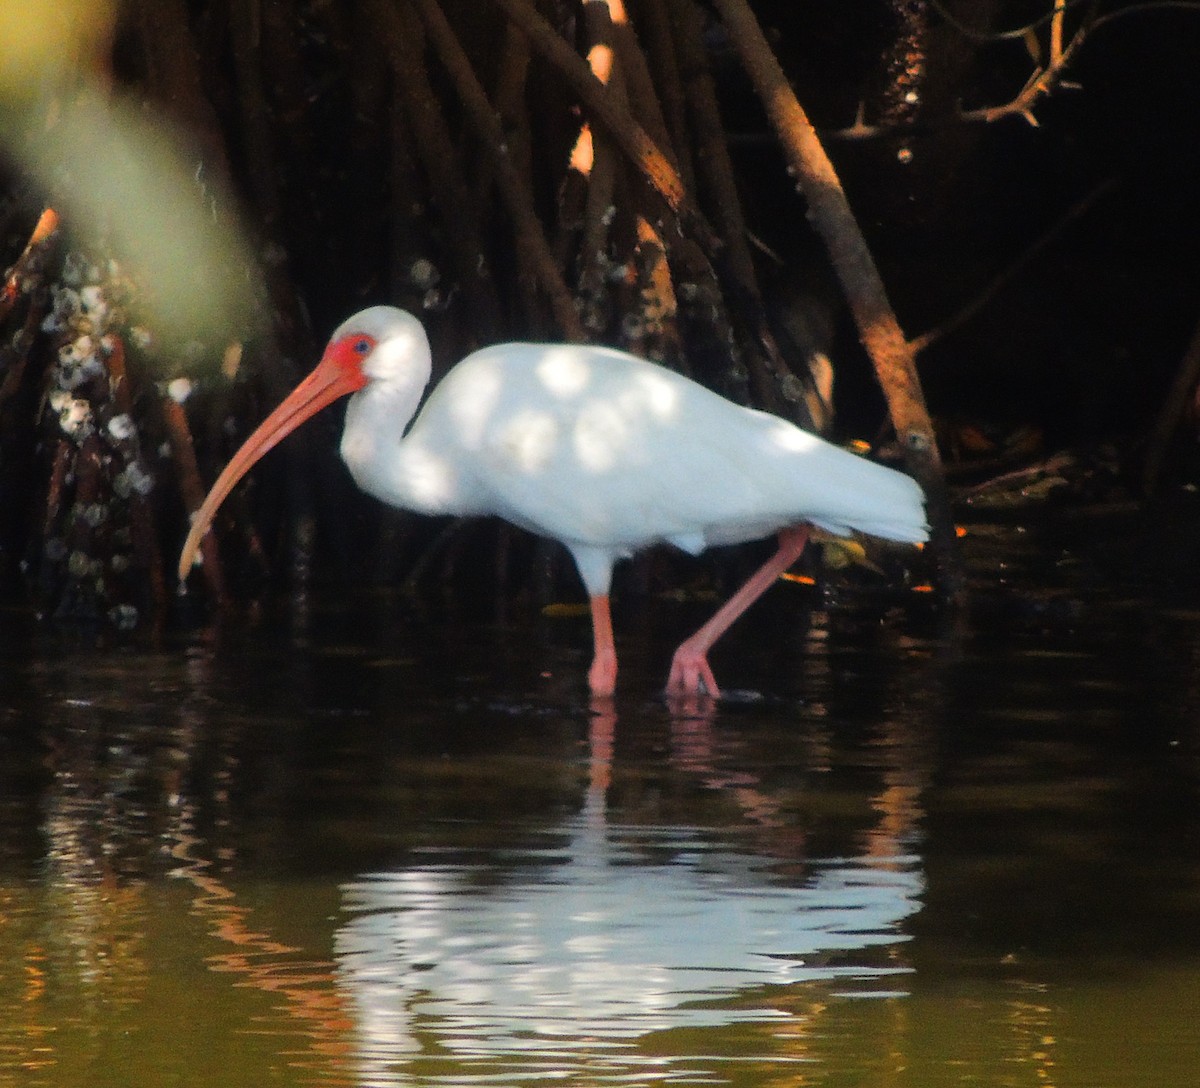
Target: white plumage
[596, 448]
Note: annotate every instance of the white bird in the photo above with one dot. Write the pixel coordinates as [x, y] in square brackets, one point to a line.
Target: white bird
[603, 451]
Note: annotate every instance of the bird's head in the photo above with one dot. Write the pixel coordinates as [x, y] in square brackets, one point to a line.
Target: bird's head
[380, 343]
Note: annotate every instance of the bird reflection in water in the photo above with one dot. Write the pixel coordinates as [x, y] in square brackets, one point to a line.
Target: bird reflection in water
[566, 956]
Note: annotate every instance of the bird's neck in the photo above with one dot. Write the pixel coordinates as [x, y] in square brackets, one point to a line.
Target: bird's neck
[396, 470]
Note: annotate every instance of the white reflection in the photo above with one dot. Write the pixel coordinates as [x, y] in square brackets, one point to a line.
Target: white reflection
[616, 932]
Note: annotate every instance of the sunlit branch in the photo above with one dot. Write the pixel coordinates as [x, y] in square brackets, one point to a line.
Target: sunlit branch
[1061, 51]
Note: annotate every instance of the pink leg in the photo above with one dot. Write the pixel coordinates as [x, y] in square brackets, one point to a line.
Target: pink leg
[689, 669]
[602, 676]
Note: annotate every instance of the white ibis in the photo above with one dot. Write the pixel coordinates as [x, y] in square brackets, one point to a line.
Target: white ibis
[588, 445]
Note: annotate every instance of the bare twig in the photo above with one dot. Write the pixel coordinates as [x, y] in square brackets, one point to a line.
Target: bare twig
[439, 158]
[655, 19]
[29, 261]
[25, 278]
[508, 103]
[659, 330]
[981, 34]
[60, 469]
[594, 158]
[768, 371]
[527, 228]
[1007, 275]
[175, 74]
[645, 154]
[642, 96]
[257, 125]
[1043, 80]
[1056, 32]
[14, 356]
[141, 516]
[1183, 390]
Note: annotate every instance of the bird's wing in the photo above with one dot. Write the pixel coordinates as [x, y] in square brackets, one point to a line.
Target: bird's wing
[595, 446]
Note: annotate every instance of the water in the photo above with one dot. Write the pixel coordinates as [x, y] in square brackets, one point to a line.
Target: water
[398, 847]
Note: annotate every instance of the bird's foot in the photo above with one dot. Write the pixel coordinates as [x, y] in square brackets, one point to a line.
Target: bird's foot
[690, 674]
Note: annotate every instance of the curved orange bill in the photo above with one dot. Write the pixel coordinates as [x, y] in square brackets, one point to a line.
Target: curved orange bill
[330, 380]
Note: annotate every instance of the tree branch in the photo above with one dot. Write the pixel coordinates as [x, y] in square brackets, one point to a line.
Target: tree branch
[642, 151]
[439, 158]
[527, 227]
[833, 219]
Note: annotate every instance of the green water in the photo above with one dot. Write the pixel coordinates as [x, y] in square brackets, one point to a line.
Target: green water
[400, 848]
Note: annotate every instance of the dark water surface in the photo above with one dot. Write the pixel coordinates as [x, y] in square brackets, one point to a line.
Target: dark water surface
[402, 849]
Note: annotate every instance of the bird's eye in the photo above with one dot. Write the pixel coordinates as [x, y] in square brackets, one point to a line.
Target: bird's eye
[362, 347]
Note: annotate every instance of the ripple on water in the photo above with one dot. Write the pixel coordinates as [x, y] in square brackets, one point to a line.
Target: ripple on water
[582, 956]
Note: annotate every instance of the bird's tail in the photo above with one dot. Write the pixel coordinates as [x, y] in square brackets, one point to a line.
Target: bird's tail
[876, 500]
